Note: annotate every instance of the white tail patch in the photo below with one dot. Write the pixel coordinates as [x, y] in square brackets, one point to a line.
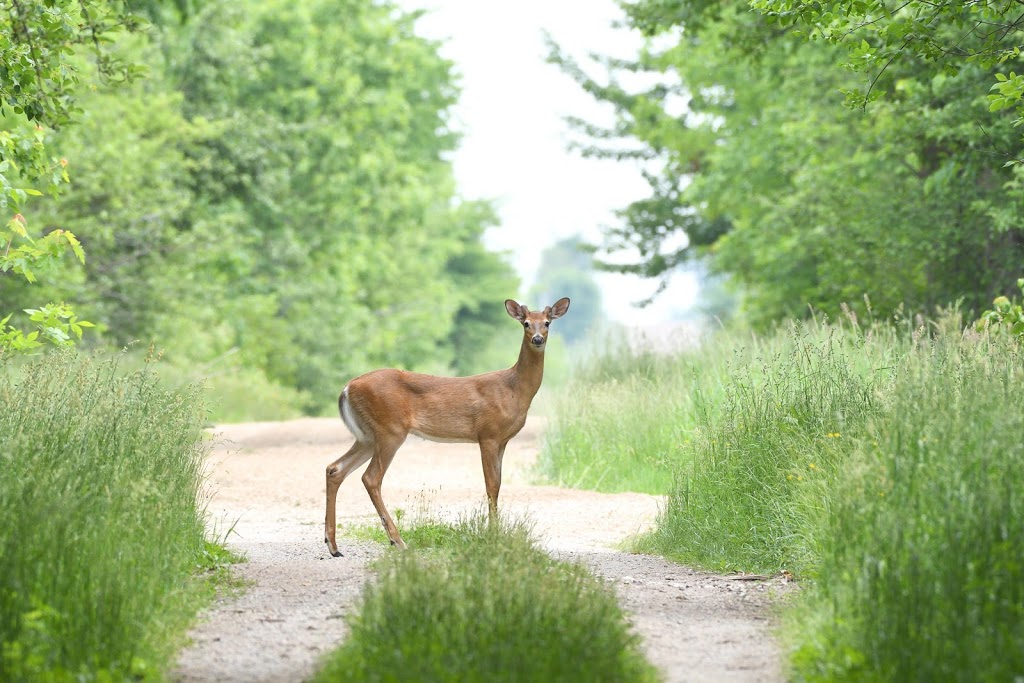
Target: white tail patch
[348, 416]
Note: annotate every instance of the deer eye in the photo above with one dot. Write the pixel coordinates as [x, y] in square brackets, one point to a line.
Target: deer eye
[526, 324]
[547, 323]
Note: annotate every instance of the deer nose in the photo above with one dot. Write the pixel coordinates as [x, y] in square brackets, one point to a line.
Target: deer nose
[537, 340]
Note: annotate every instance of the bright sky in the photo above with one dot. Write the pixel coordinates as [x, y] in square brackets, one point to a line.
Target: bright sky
[514, 145]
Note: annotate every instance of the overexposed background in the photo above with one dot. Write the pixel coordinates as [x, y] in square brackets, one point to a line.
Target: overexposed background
[514, 145]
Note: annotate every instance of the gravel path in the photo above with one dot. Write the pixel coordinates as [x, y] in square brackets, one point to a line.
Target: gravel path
[267, 479]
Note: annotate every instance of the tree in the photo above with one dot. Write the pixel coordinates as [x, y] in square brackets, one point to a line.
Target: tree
[277, 191]
[801, 200]
[333, 131]
[948, 36]
[39, 80]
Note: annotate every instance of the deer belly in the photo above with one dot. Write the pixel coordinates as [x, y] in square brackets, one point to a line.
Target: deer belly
[442, 438]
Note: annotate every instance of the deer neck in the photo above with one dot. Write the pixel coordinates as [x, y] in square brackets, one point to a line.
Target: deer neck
[528, 371]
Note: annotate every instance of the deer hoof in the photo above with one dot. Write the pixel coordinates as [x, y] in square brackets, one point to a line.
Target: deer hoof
[334, 553]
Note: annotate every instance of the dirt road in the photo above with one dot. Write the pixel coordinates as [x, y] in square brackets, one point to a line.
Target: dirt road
[267, 479]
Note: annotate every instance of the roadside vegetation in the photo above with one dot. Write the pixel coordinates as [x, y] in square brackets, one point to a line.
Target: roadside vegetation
[880, 463]
[483, 602]
[103, 546]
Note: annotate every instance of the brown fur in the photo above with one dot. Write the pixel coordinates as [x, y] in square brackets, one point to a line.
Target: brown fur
[383, 407]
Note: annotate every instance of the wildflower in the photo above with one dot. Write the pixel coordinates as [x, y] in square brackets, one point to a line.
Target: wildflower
[813, 466]
[833, 435]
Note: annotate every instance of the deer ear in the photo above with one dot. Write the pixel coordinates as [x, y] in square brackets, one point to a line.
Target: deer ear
[515, 310]
[559, 309]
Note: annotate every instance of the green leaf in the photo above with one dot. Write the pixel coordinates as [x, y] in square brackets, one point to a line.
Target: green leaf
[76, 246]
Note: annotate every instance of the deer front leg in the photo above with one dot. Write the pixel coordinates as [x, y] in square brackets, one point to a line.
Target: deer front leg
[336, 473]
[372, 479]
[491, 454]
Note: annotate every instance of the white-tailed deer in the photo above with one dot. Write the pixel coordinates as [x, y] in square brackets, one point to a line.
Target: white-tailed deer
[381, 408]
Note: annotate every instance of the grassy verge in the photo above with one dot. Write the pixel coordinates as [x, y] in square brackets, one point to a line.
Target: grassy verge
[921, 576]
[883, 465]
[752, 478]
[633, 410]
[485, 604]
[103, 527]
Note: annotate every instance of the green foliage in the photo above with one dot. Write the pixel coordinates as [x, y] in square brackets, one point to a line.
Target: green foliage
[55, 323]
[473, 270]
[231, 391]
[804, 202]
[39, 79]
[881, 34]
[253, 198]
[99, 492]
[749, 490]
[487, 605]
[1004, 316]
[620, 421]
[880, 464]
[920, 575]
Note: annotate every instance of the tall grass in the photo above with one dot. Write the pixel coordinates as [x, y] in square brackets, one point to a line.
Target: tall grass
[489, 605]
[883, 465]
[751, 485]
[99, 481]
[619, 424]
[923, 574]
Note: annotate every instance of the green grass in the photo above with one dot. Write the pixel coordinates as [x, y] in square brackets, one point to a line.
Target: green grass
[751, 479]
[883, 465]
[923, 574]
[485, 604]
[424, 530]
[635, 411]
[102, 523]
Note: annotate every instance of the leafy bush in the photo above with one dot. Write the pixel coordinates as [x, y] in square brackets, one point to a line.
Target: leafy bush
[99, 493]
[487, 605]
[1005, 315]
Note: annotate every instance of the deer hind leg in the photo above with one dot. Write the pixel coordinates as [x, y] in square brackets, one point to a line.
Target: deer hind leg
[337, 471]
[491, 454]
[384, 453]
